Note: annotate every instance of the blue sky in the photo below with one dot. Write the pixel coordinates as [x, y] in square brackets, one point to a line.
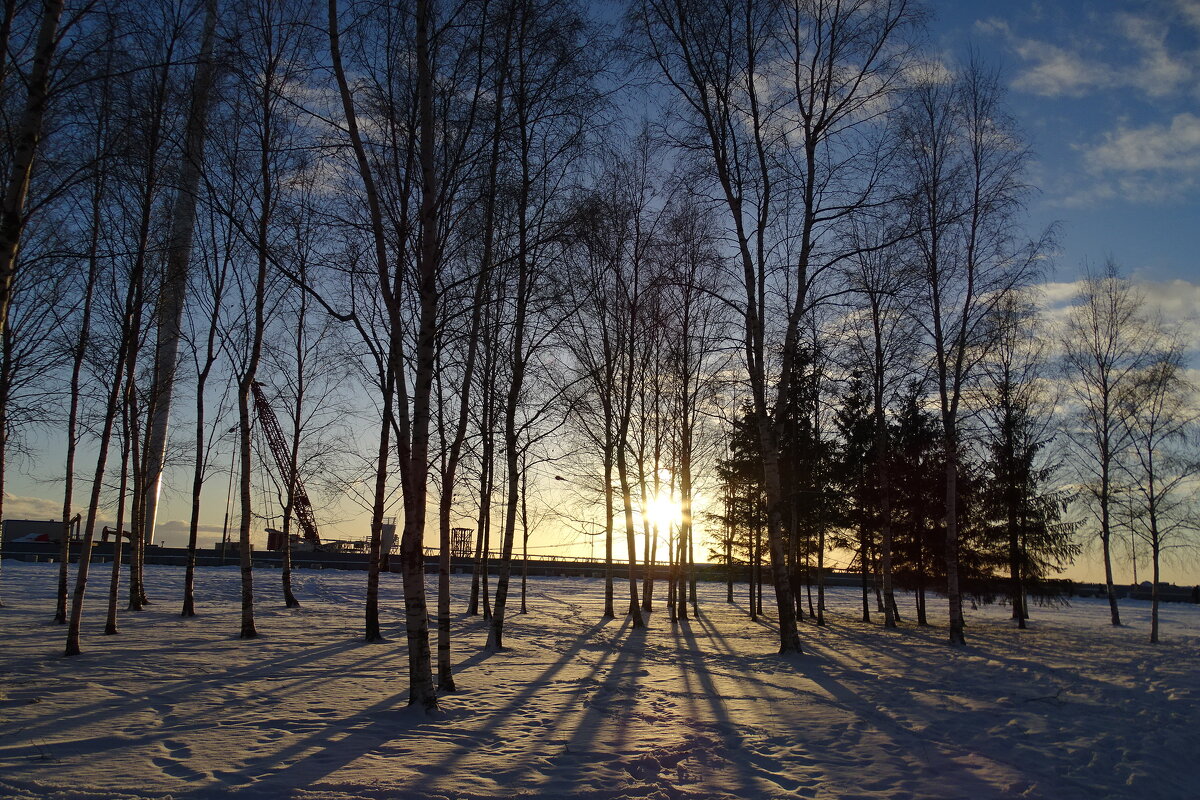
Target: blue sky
[1108, 93]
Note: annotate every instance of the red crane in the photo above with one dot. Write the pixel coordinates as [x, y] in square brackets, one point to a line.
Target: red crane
[270, 426]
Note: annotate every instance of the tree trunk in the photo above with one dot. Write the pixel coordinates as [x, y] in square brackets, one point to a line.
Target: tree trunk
[753, 573]
[27, 134]
[1154, 597]
[285, 566]
[884, 474]
[728, 547]
[821, 575]
[179, 248]
[422, 691]
[758, 569]
[81, 345]
[371, 631]
[691, 574]
[609, 608]
[673, 572]
[635, 608]
[1105, 546]
[189, 575]
[114, 584]
[789, 637]
[1016, 590]
[245, 560]
[865, 569]
[524, 532]
[89, 530]
[953, 594]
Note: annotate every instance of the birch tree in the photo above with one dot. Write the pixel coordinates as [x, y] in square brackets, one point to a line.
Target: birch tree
[780, 103]
[173, 288]
[965, 161]
[1104, 348]
[1163, 461]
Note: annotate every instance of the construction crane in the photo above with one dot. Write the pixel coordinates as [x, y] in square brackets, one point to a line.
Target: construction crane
[270, 426]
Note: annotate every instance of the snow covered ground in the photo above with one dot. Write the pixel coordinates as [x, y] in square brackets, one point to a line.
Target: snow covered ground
[581, 707]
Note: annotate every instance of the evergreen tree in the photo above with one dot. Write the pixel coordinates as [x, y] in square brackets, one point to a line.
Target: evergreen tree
[917, 466]
[741, 478]
[806, 458]
[1021, 516]
[857, 512]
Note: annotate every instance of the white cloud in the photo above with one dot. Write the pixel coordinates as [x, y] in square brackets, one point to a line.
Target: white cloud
[1128, 51]
[1154, 147]
[1156, 163]
[1057, 72]
[1189, 12]
[24, 507]
[1176, 302]
[1179, 303]
[1057, 293]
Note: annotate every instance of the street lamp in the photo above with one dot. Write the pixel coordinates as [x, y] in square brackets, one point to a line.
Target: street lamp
[228, 497]
[592, 534]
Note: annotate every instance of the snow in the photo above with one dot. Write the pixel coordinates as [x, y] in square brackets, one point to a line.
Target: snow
[587, 708]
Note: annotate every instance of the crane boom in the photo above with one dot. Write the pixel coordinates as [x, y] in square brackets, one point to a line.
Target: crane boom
[270, 426]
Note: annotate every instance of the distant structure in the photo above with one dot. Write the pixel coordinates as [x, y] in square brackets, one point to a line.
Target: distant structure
[460, 542]
[301, 506]
[37, 530]
[388, 537]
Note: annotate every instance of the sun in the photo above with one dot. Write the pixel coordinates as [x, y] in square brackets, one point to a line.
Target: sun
[662, 512]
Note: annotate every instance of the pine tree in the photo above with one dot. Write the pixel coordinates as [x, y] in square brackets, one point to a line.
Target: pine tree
[806, 460]
[917, 465]
[856, 480]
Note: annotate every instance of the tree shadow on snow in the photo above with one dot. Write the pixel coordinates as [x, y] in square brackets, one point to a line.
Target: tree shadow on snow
[340, 742]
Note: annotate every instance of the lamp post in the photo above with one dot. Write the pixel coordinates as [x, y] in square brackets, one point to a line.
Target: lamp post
[591, 524]
[228, 496]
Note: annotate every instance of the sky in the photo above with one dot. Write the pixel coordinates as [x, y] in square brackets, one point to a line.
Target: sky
[1108, 96]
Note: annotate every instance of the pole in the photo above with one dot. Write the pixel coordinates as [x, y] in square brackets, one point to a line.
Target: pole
[228, 497]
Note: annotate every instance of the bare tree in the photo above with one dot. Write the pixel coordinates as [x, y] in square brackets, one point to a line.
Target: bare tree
[93, 210]
[1163, 462]
[388, 353]
[615, 232]
[475, 333]
[965, 161]
[123, 357]
[265, 168]
[885, 342]
[205, 343]
[781, 104]
[1104, 349]
[1018, 416]
[696, 327]
[173, 288]
[128, 443]
[27, 135]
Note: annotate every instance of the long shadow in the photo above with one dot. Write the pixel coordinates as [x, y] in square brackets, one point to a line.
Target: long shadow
[346, 740]
[593, 708]
[691, 662]
[630, 653]
[187, 687]
[341, 742]
[498, 717]
[937, 750]
[815, 666]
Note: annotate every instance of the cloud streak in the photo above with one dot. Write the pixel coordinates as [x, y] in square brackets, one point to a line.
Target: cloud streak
[1133, 53]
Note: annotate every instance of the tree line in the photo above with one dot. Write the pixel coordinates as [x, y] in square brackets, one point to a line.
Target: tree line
[771, 253]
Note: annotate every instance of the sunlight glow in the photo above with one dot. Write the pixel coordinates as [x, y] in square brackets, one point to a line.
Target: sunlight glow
[663, 511]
